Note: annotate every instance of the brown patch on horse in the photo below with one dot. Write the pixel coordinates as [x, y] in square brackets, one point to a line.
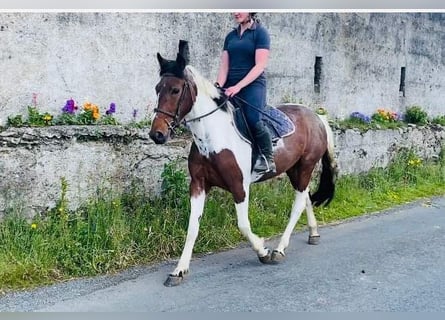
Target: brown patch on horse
[176, 96]
[301, 150]
[220, 170]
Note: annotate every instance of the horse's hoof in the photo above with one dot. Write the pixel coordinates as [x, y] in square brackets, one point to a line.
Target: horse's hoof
[278, 256]
[314, 240]
[267, 259]
[173, 281]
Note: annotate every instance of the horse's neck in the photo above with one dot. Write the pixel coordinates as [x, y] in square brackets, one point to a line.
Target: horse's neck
[213, 132]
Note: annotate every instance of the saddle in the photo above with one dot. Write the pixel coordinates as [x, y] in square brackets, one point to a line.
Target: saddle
[276, 121]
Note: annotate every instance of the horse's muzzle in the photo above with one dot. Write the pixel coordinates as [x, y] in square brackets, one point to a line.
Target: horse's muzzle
[158, 137]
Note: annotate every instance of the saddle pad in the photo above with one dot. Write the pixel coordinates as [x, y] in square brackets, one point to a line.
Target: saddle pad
[276, 121]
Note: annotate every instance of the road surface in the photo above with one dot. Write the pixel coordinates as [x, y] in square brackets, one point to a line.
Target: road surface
[388, 261]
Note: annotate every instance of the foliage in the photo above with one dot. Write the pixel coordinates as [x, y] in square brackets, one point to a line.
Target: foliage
[15, 121]
[37, 119]
[439, 120]
[89, 114]
[416, 115]
[144, 123]
[174, 188]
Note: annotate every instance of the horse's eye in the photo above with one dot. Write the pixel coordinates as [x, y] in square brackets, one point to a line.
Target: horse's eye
[175, 90]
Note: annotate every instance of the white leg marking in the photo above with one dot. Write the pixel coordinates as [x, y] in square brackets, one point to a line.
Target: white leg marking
[197, 207]
[242, 212]
[297, 209]
[311, 221]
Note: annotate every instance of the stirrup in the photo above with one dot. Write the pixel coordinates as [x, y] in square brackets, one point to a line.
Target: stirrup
[263, 166]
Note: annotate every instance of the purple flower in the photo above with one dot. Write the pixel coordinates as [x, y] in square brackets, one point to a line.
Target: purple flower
[135, 113]
[360, 116]
[69, 107]
[398, 116]
[112, 109]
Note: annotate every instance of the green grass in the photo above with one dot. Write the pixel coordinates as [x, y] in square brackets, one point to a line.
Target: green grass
[111, 233]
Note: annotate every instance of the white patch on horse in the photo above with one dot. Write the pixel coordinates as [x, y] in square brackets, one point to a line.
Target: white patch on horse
[297, 209]
[215, 132]
[197, 207]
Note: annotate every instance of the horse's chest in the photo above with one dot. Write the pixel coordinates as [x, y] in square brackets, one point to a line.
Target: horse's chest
[211, 141]
[204, 145]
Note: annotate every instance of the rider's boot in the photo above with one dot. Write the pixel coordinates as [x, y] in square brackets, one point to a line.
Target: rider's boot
[265, 162]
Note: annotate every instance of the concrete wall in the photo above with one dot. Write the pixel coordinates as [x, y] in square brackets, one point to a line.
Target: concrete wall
[110, 57]
[33, 161]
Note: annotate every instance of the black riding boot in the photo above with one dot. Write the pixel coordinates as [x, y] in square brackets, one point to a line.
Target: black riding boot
[264, 163]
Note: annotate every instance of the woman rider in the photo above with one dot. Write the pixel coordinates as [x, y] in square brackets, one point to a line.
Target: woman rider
[241, 73]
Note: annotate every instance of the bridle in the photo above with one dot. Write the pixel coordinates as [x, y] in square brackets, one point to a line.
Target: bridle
[175, 116]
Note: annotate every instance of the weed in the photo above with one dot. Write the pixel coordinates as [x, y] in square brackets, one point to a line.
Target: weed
[439, 120]
[416, 115]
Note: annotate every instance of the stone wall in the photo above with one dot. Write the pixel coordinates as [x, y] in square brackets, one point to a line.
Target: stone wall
[108, 57]
[34, 160]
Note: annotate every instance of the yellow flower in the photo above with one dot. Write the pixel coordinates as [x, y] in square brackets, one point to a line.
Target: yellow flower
[48, 117]
[33, 226]
[87, 106]
[96, 114]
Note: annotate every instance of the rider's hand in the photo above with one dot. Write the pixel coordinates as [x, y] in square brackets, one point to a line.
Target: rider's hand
[231, 91]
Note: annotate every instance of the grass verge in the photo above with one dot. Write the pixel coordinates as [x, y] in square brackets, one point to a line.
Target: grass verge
[112, 233]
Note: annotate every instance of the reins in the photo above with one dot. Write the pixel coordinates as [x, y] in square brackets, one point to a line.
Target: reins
[253, 107]
[208, 113]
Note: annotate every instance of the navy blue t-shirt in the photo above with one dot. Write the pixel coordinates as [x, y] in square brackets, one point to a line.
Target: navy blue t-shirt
[241, 50]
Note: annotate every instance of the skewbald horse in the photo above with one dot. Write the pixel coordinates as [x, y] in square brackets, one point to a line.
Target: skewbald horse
[220, 157]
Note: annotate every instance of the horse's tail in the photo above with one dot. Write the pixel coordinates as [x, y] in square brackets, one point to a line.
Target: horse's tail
[326, 187]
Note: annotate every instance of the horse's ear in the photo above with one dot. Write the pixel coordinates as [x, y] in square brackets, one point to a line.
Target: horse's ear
[184, 50]
[160, 59]
[180, 61]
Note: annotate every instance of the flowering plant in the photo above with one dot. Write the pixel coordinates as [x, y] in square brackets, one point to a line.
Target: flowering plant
[360, 117]
[109, 118]
[384, 116]
[321, 111]
[68, 115]
[89, 114]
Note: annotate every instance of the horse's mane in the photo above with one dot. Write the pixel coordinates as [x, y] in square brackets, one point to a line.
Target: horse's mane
[202, 84]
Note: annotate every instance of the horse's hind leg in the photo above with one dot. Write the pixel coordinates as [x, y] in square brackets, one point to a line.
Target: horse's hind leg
[314, 237]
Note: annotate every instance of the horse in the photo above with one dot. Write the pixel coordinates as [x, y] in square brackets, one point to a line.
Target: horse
[220, 157]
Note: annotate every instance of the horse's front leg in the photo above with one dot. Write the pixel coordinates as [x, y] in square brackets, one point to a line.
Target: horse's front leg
[197, 207]
[242, 212]
[298, 206]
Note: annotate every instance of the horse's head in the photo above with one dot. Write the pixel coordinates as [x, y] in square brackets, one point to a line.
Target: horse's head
[176, 95]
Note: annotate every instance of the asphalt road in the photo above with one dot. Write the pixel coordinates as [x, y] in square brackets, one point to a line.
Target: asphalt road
[389, 261]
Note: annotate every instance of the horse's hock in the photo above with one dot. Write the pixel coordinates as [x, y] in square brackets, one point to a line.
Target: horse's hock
[33, 161]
